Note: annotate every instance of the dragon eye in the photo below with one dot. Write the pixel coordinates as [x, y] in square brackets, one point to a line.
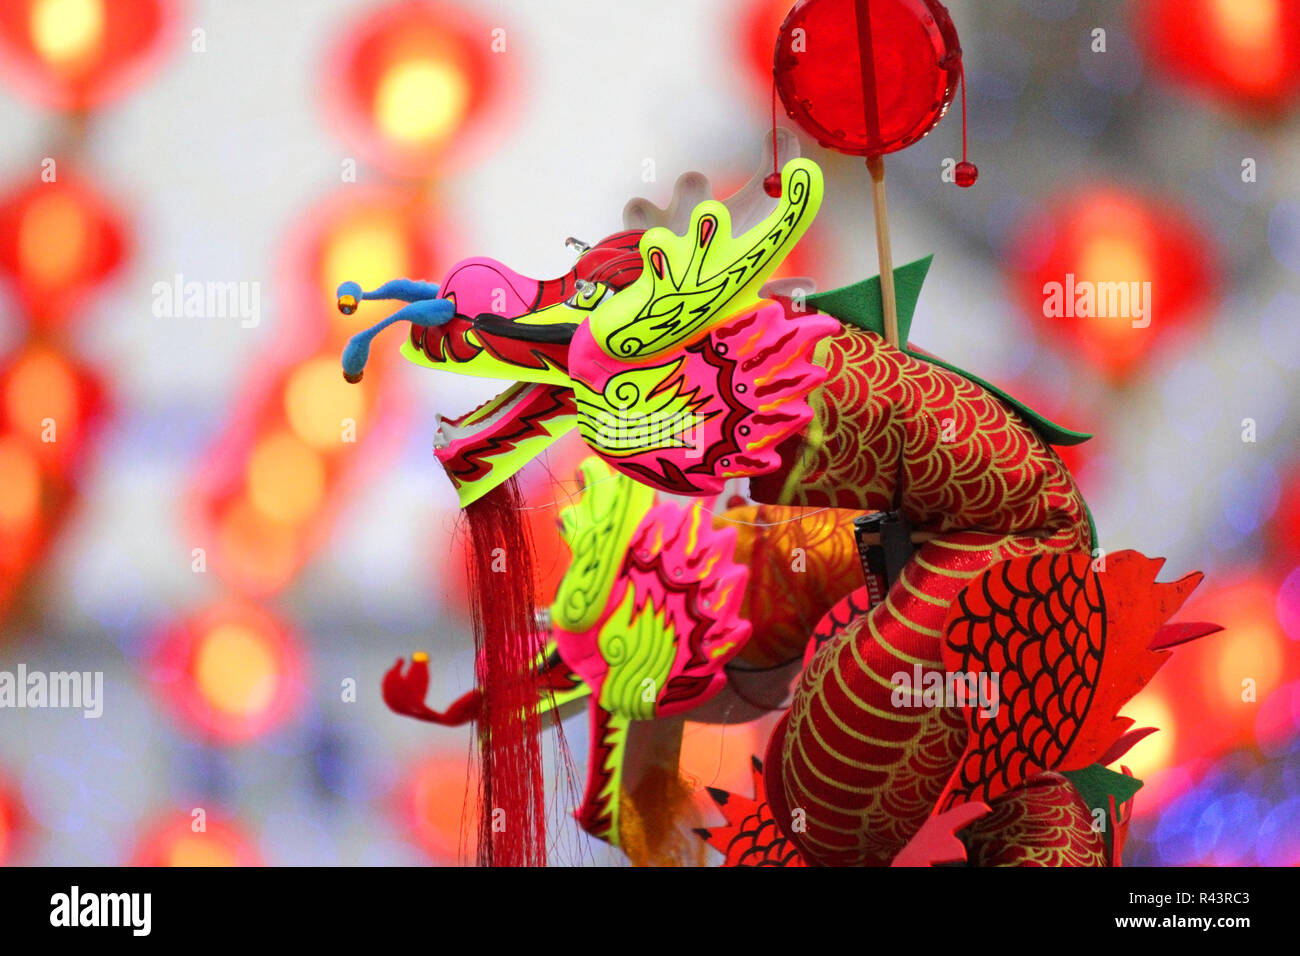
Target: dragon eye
[588, 295]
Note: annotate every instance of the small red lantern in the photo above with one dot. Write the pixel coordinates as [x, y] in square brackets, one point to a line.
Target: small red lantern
[1245, 52]
[1111, 272]
[416, 84]
[78, 54]
[58, 240]
[861, 106]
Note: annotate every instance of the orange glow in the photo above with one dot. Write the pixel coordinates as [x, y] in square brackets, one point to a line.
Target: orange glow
[20, 486]
[260, 552]
[717, 755]
[53, 239]
[318, 403]
[369, 249]
[67, 33]
[286, 478]
[1155, 751]
[41, 386]
[1112, 273]
[417, 86]
[439, 804]
[1250, 648]
[1246, 40]
[1246, 52]
[235, 670]
[421, 100]
[231, 671]
[178, 844]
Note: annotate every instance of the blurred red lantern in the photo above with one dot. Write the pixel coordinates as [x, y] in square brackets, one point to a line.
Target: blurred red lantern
[78, 54]
[183, 840]
[761, 23]
[415, 85]
[50, 409]
[368, 234]
[58, 240]
[1215, 686]
[1284, 526]
[267, 494]
[232, 672]
[1246, 52]
[12, 825]
[1109, 273]
[439, 812]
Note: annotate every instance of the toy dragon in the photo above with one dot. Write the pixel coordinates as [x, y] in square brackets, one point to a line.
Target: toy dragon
[683, 369]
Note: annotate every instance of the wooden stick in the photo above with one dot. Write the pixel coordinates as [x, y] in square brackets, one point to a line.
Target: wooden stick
[876, 166]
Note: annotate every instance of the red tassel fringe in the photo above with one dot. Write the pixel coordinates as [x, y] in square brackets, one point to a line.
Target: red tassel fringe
[512, 809]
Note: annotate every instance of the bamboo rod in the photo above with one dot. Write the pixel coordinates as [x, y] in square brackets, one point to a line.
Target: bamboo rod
[876, 166]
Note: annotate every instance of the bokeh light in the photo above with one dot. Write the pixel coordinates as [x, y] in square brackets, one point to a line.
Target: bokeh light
[78, 54]
[1109, 273]
[185, 840]
[1243, 52]
[231, 672]
[58, 240]
[414, 83]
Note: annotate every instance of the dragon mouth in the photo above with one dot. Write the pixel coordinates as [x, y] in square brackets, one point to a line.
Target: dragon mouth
[455, 431]
[484, 447]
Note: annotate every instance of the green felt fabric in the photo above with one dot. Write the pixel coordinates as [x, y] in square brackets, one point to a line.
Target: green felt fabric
[1096, 785]
[860, 305]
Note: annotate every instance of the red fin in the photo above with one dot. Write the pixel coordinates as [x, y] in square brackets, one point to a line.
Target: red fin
[750, 836]
[937, 841]
[1071, 644]
[1171, 635]
[1122, 746]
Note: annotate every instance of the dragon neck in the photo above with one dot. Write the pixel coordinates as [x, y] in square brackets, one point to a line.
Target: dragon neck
[891, 431]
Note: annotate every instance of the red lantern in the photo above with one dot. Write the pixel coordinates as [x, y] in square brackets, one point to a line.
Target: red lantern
[762, 22]
[58, 240]
[50, 409]
[1110, 273]
[859, 106]
[77, 54]
[435, 809]
[1245, 52]
[265, 499]
[186, 840]
[416, 85]
[232, 672]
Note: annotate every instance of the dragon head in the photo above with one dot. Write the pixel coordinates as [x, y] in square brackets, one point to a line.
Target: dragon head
[657, 345]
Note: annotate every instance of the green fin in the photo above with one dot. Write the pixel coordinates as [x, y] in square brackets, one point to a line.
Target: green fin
[859, 305]
[1096, 785]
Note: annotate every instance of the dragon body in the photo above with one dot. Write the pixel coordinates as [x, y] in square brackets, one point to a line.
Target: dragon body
[684, 371]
